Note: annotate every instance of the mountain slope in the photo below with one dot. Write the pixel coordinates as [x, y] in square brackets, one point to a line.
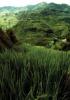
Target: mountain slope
[37, 7]
[49, 15]
[44, 24]
[41, 24]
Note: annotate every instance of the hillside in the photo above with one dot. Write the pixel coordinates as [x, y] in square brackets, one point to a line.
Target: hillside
[41, 24]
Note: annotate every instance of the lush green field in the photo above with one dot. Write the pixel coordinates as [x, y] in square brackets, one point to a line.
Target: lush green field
[33, 73]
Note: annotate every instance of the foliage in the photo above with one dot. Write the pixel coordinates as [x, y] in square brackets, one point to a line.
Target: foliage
[31, 73]
[43, 21]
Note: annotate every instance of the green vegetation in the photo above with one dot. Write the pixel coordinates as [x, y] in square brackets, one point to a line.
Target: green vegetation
[34, 52]
[41, 24]
[7, 20]
[32, 73]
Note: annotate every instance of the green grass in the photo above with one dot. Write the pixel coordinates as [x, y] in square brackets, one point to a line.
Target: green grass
[36, 67]
[8, 20]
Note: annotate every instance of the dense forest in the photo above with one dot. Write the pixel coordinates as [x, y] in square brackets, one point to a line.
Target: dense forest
[35, 52]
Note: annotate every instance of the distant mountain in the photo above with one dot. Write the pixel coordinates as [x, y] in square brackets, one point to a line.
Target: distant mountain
[43, 5]
[43, 10]
[37, 7]
[10, 9]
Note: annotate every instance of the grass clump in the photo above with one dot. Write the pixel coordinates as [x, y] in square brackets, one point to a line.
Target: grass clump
[28, 74]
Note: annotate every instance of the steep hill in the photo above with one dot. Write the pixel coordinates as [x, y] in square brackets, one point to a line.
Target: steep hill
[43, 22]
[40, 24]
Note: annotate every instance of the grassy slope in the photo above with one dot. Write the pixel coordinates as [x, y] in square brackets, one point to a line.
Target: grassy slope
[37, 68]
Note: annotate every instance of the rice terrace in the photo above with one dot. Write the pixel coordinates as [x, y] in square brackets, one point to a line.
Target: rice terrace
[35, 52]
